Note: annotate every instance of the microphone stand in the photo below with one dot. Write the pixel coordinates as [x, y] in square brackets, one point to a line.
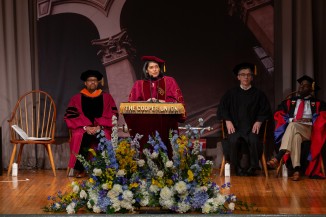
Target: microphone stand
[150, 88]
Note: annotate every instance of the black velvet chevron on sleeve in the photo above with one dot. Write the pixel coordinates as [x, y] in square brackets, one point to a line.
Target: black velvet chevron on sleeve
[71, 112]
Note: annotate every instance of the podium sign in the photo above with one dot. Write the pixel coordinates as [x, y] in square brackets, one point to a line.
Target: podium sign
[145, 118]
[151, 108]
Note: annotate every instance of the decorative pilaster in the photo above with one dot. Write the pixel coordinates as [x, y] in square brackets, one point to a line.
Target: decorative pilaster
[115, 48]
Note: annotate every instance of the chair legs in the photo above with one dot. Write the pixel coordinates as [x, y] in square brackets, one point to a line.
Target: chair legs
[322, 166]
[12, 159]
[222, 166]
[48, 149]
[278, 169]
[263, 162]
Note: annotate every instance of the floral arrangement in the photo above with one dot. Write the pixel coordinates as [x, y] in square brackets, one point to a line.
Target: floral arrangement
[121, 179]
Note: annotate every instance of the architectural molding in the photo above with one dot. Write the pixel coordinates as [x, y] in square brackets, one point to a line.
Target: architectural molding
[115, 48]
[44, 7]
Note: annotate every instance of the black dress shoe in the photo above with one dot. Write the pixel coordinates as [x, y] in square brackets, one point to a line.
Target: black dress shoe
[251, 171]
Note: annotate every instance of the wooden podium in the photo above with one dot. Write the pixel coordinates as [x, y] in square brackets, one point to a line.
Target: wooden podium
[145, 118]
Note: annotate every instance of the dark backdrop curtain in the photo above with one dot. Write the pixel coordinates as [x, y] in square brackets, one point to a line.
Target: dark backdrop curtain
[299, 44]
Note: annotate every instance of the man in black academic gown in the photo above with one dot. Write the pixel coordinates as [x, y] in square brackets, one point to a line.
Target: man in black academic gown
[244, 108]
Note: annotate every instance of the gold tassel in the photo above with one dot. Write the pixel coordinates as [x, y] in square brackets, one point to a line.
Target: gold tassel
[255, 70]
[164, 69]
[313, 86]
[102, 82]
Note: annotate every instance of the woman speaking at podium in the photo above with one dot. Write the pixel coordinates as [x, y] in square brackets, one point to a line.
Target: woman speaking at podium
[156, 87]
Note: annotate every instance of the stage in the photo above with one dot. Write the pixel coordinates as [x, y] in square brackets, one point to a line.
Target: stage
[27, 193]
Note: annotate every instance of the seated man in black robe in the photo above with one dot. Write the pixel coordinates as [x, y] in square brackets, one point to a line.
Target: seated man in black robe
[244, 108]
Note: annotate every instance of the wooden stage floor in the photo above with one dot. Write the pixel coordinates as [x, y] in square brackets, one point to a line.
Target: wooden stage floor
[28, 193]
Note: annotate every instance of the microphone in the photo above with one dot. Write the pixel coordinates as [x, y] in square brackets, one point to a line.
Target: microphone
[150, 88]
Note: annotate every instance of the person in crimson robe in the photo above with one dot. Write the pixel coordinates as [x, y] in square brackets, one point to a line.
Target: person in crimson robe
[301, 118]
[157, 87]
[88, 112]
[243, 109]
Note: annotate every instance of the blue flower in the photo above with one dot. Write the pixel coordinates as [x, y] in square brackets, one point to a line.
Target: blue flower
[103, 202]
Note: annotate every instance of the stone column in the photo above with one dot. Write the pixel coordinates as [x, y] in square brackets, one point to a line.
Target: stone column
[116, 53]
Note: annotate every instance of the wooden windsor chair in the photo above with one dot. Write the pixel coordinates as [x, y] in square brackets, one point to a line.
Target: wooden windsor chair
[35, 114]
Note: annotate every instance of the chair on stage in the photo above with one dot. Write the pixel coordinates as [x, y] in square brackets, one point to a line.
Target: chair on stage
[262, 133]
[35, 116]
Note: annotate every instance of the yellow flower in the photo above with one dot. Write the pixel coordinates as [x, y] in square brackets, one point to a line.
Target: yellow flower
[169, 182]
[92, 151]
[133, 185]
[190, 175]
[91, 180]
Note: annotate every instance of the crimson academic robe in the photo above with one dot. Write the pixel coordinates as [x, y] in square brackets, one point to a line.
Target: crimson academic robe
[75, 119]
[318, 134]
[165, 88]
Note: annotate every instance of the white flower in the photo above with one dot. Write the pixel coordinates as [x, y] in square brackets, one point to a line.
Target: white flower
[96, 209]
[116, 205]
[117, 188]
[127, 195]
[206, 208]
[126, 204]
[200, 157]
[97, 172]
[141, 163]
[169, 164]
[204, 188]
[181, 187]
[105, 186]
[89, 204]
[93, 196]
[219, 200]
[183, 207]
[160, 173]
[231, 206]
[166, 193]
[154, 188]
[166, 197]
[71, 208]
[57, 205]
[234, 198]
[209, 162]
[75, 189]
[121, 173]
[115, 191]
[83, 194]
[154, 155]
[144, 201]
[114, 120]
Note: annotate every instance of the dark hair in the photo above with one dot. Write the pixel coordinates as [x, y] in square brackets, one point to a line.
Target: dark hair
[145, 69]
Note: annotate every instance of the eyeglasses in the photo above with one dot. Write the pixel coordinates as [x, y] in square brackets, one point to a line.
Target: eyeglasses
[92, 80]
[245, 75]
